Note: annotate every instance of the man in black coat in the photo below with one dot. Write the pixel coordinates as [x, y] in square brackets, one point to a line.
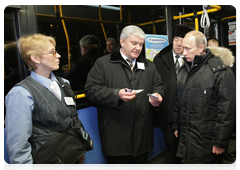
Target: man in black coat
[119, 83]
[165, 62]
[206, 101]
[90, 51]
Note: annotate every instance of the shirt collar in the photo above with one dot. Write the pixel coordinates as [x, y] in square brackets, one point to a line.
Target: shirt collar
[125, 58]
[174, 58]
[43, 80]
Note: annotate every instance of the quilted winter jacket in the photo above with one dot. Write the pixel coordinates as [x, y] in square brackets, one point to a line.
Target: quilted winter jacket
[206, 105]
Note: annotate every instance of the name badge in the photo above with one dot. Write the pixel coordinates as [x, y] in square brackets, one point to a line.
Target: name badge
[141, 66]
[69, 101]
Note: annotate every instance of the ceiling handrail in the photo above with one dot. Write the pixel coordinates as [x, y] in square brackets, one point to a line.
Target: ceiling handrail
[151, 22]
[215, 9]
[80, 19]
[229, 17]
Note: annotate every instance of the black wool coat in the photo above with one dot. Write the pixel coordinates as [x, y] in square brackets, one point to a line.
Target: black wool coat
[125, 128]
[165, 67]
[80, 68]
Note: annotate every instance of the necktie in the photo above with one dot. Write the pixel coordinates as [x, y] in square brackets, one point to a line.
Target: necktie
[54, 88]
[177, 64]
[130, 62]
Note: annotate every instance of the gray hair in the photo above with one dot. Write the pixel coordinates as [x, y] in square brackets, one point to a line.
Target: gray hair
[90, 40]
[113, 40]
[132, 29]
[65, 66]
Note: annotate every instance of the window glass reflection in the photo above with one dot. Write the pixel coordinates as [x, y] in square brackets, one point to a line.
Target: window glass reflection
[11, 65]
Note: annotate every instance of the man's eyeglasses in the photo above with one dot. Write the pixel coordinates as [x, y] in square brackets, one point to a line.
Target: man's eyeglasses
[51, 52]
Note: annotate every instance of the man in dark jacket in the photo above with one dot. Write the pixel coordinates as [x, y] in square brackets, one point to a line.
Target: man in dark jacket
[120, 88]
[206, 101]
[90, 51]
[165, 63]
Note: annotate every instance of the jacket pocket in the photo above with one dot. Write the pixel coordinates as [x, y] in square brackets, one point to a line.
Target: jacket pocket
[207, 128]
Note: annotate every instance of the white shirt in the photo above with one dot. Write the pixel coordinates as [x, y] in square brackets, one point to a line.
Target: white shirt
[125, 58]
[180, 59]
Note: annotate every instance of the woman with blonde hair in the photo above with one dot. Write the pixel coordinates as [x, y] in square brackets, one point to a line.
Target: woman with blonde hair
[38, 99]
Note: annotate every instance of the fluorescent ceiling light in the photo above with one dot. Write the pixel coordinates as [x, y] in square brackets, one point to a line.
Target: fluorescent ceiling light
[106, 7]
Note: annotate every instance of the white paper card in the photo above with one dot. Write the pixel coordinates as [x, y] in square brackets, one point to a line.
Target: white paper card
[69, 101]
[138, 91]
[141, 66]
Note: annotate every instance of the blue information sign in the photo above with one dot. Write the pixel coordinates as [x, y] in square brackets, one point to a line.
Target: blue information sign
[154, 44]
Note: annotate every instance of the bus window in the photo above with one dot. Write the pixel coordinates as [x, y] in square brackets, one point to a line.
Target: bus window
[11, 65]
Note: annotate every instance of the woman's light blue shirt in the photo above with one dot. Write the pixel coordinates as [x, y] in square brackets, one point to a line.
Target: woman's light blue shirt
[18, 122]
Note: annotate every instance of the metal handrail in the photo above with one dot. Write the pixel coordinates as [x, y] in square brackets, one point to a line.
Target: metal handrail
[55, 8]
[216, 8]
[79, 96]
[196, 24]
[120, 12]
[100, 18]
[229, 17]
[67, 37]
[79, 19]
[151, 22]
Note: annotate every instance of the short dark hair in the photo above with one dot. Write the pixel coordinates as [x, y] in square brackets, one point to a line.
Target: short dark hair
[180, 31]
[212, 38]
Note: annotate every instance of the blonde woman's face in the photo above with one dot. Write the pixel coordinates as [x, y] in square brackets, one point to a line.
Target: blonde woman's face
[49, 60]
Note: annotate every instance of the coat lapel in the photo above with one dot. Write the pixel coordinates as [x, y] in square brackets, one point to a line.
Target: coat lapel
[168, 58]
[116, 57]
